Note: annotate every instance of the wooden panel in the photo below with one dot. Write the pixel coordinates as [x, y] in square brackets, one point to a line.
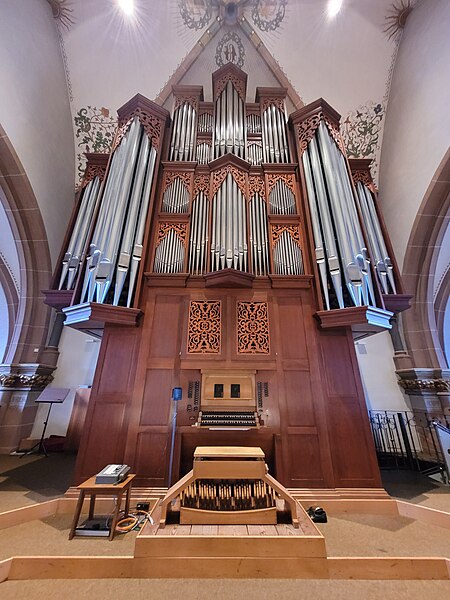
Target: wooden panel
[116, 366]
[340, 378]
[106, 440]
[305, 460]
[77, 419]
[157, 394]
[164, 340]
[350, 451]
[292, 332]
[299, 398]
[152, 456]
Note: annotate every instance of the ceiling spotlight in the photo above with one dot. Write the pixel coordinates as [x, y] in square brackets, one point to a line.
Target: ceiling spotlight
[127, 6]
[333, 7]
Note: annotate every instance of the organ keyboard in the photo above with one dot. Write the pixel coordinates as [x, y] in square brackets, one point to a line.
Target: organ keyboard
[229, 485]
[227, 419]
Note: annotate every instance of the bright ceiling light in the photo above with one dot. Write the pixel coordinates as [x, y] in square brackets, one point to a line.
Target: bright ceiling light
[127, 6]
[334, 6]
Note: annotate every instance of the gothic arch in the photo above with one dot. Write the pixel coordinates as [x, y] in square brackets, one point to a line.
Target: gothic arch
[424, 244]
[12, 297]
[24, 217]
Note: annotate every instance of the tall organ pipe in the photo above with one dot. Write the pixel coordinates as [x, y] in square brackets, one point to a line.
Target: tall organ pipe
[258, 236]
[228, 228]
[229, 126]
[352, 250]
[199, 235]
[169, 256]
[184, 133]
[281, 199]
[378, 251]
[76, 245]
[275, 145]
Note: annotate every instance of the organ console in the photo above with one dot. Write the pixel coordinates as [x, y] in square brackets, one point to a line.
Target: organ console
[233, 251]
[229, 485]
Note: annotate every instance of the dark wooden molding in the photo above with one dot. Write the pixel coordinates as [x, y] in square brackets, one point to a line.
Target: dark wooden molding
[291, 281]
[93, 316]
[229, 278]
[166, 280]
[363, 320]
[58, 299]
[270, 92]
[141, 102]
[289, 168]
[181, 165]
[397, 302]
[314, 108]
[229, 159]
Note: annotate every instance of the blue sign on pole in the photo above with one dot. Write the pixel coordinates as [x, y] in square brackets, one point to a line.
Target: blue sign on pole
[177, 394]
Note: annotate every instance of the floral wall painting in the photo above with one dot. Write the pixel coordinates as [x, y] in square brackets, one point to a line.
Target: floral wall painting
[94, 132]
[362, 131]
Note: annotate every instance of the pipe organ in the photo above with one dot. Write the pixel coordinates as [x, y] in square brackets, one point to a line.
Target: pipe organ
[226, 242]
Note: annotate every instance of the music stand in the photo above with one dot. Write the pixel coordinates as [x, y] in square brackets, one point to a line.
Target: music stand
[49, 396]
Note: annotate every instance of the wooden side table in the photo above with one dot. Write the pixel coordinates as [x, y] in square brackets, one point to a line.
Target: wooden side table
[98, 489]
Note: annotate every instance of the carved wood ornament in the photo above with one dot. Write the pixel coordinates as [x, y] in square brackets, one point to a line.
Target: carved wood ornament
[170, 176]
[151, 125]
[204, 327]
[288, 179]
[201, 184]
[238, 84]
[365, 178]
[307, 128]
[252, 328]
[256, 186]
[278, 230]
[94, 171]
[180, 229]
[192, 100]
[278, 102]
[219, 176]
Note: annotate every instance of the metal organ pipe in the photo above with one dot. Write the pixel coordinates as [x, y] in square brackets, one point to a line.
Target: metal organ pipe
[275, 145]
[176, 197]
[229, 130]
[169, 256]
[75, 247]
[117, 238]
[281, 199]
[229, 231]
[287, 256]
[184, 131]
[199, 235]
[378, 251]
[258, 236]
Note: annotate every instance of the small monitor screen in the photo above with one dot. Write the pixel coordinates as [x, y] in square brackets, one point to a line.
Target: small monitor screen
[218, 390]
[235, 390]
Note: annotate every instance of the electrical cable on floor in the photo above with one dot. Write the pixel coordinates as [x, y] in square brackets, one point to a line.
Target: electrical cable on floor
[133, 521]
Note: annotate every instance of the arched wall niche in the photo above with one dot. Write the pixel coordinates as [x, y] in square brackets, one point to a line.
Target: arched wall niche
[425, 242]
[31, 315]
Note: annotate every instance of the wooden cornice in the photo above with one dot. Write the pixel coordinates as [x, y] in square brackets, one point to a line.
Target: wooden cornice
[140, 102]
[93, 316]
[229, 159]
[58, 299]
[269, 168]
[314, 108]
[363, 320]
[272, 92]
[181, 165]
[99, 159]
[229, 278]
[188, 90]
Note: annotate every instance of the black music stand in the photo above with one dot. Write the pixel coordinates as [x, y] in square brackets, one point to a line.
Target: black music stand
[49, 396]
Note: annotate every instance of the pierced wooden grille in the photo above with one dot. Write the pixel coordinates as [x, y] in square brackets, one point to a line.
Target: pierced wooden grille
[253, 328]
[204, 327]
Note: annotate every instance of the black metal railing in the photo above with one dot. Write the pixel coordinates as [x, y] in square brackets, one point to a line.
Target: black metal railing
[406, 440]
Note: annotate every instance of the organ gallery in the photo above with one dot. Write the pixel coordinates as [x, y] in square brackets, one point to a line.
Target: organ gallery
[234, 251]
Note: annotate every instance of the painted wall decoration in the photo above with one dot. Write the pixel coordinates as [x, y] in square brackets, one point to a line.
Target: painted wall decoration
[196, 14]
[94, 132]
[230, 49]
[362, 129]
[268, 14]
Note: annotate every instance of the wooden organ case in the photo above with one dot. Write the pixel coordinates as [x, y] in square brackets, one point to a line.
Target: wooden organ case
[228, 245]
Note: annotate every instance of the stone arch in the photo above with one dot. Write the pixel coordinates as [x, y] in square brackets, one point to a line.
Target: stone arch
[424, 244]
[25, 219]
[9, 288]
[440, 307]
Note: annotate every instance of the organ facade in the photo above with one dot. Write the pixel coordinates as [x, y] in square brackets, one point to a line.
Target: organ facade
[235, 252]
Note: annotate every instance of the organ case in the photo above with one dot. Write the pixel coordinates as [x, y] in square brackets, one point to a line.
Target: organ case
[240, 239]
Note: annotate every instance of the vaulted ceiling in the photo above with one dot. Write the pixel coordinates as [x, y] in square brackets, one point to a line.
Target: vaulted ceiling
[109, 57]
